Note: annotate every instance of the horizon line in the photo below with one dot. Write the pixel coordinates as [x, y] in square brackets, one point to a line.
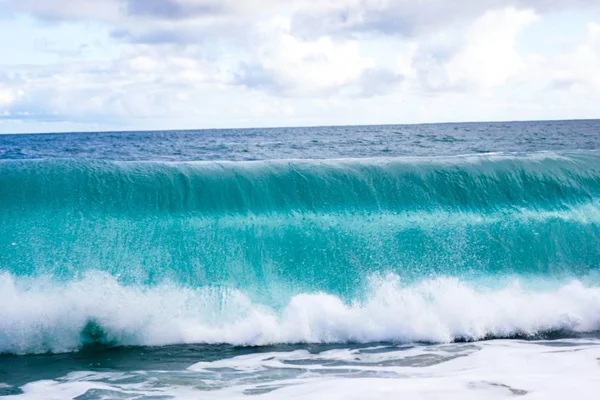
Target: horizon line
[301, 126]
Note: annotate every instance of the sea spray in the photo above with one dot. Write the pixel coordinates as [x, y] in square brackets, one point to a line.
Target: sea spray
[290, 251]
[36, 317]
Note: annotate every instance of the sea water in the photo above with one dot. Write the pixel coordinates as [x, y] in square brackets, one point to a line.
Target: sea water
[424, 261]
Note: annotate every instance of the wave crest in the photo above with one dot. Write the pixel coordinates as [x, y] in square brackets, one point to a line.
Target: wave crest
[39, 315]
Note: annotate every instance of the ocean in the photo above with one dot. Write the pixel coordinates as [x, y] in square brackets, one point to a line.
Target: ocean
[439, 261]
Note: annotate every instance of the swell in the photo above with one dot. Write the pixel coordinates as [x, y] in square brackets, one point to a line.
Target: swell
[301, 225]
[479, 183]
[287, 251]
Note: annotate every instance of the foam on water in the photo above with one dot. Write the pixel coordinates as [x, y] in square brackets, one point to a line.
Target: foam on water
[492, 370]
[38, 315]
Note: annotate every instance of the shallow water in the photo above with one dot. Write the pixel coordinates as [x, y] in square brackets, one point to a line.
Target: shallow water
[490, 369]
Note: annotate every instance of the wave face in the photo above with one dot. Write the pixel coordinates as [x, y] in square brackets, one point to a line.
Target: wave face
[416, 249]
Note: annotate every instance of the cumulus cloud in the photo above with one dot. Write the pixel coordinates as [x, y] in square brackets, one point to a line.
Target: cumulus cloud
[64, 9]
[172, 9]
[287, 65]
[408, 18]
[177, 57]
[486, 58]
[577, 69]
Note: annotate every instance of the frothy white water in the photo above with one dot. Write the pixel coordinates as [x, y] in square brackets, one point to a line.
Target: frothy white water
[40, 316]
[497, 369]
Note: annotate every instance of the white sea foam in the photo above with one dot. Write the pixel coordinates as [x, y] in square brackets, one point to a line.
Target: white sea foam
[492, 370]
[38, 315]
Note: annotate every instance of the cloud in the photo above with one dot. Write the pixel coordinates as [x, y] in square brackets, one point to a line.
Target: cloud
[408, 18]
[140, 84]
[487, 58]
[9, 96]
[286, 65]
[153, 37]
[577, 70]
[378, 81]
[172, 9]
[207, 60]
[63, 10]
[255, 76]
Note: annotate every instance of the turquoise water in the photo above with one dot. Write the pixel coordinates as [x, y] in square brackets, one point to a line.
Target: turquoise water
[279, 228]
[206, 244]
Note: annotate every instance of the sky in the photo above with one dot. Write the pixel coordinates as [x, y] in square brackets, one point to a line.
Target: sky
[91, 65]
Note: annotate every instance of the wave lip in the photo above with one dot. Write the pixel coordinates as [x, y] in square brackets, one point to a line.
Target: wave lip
[39, 316]
[546, 181]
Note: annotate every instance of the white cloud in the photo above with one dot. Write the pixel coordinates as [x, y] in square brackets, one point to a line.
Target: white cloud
[489, 57]
[578, 69]
[195, 63]
[292, 66]
[8, 97]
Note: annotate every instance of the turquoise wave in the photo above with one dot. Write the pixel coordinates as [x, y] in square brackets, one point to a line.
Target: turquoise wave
[91, 243]
[305, 225]
[475, 183]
